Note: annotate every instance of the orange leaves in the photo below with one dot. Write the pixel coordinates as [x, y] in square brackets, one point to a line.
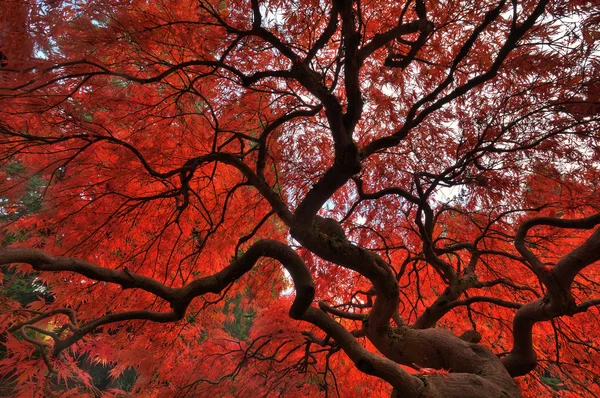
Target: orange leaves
[162, 140]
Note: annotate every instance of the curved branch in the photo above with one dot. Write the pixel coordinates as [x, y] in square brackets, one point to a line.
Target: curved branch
[65, 311]
[264, 248]
[342, 314]
[586, 305]
[365, 360]
[42, 261]
[259, 183]
[582, 223]
[558, 300]
[262, 150]
[179, 298]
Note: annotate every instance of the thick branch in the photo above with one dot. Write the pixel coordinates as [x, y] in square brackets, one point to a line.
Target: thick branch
[558, 300]
[179, 298]
[366, 361]
[582, 223]
[41, 261]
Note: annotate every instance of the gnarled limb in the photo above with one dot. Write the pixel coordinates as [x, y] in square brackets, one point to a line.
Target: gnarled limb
[178, 298]
[558, 300]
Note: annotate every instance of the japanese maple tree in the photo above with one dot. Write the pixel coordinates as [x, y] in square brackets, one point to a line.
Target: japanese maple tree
[301, 198]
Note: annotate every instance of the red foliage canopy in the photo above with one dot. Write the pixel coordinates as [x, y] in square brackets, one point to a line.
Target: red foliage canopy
[302, 198]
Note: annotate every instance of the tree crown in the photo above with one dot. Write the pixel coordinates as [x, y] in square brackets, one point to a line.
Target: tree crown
[242, 197]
